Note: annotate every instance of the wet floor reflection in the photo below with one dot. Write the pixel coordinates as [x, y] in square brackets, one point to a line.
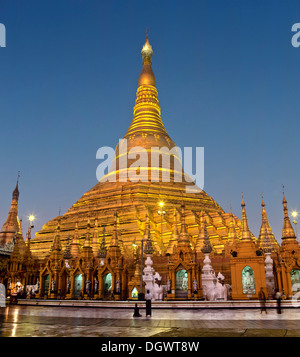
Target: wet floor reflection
[25, 321]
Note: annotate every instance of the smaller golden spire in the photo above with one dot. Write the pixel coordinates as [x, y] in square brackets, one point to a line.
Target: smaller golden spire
[183, 237]
[75, 244]
[266, 238]
[287, 230]
[174, 238]
[114, 239]
[56, 246]
[16, 190]
[206, 248]
[201, 233]
[103, 251]
[246, 235]
[87, 241]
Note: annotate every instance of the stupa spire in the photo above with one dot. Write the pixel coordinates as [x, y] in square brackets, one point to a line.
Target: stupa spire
[87, 241]
[288, 232]
[246, 235]
[206, 248]
[114, 239]
[174, 238]
[102, 251]
[75, 244]
[147, 76]
[95, 240]
[201, 233]
[12, 226]
[16, 190]
[266, 236]
[148, 249]
[146, 112]
[183, 236]
[147, 131]
[56, 246]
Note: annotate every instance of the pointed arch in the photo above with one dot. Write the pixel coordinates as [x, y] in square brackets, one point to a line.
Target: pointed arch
[248, 280]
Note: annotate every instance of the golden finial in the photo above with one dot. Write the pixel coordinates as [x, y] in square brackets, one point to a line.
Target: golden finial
[147, 51]
[243, 202]
[262, 200]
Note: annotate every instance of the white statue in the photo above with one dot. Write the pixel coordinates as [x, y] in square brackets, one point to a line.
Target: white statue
[151, 279]
[118, 286]
[208, 277]
[157, 290]
[53, 285]
[195, 285]
[218, 291]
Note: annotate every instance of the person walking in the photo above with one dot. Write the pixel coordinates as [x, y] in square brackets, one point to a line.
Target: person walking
[278, 299]
[262, 299]
[148, 298]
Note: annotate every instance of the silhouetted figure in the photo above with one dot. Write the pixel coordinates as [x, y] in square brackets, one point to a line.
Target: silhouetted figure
[278, 299]
[148, 297]
[136, 311]
[262, 299]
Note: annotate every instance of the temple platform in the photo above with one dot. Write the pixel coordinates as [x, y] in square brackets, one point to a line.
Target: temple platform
[172, 304]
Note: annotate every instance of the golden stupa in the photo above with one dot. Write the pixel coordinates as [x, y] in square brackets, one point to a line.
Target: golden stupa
[96, 247]
[132, 201]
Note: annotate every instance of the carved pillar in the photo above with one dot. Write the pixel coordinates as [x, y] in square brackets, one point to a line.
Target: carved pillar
[189, 284]
[283, 276]
[289, 291]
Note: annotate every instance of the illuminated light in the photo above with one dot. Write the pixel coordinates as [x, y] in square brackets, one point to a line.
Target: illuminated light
[294, 214]
[161, 204]
[31, 218]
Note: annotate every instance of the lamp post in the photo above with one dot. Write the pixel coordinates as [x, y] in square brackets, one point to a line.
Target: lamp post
[31, 219]
[148, 251]
[134, 245]
[295, 215]
[161, 212]
[141, 295]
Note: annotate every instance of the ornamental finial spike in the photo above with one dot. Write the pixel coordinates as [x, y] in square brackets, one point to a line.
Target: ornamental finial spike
[147, 51]
[147, 76]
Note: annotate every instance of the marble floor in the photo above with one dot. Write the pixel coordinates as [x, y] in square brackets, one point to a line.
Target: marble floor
[41, 321]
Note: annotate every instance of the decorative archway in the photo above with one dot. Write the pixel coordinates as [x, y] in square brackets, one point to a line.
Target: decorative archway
[107, 284]
[134, 293]
[46, 283]
[181, 284]
[248, 280]
[77, 285]
[295, 280]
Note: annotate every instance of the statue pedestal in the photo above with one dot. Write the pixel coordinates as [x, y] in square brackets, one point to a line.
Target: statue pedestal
[86, 297]
[95, 297]
[69, 296]
[52, 296]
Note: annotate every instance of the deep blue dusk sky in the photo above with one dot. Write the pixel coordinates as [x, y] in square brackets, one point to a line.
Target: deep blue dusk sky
[227, 77]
